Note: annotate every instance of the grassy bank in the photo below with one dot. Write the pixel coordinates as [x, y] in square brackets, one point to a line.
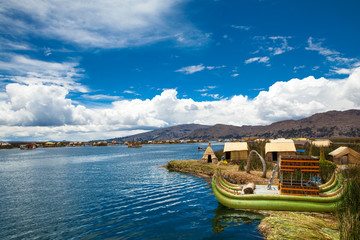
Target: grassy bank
[281, 225]
[191, 166]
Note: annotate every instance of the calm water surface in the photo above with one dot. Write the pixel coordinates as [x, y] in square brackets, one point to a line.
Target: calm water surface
[112, 193]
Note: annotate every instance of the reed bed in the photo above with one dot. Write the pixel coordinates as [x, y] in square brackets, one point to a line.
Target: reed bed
[348, 213]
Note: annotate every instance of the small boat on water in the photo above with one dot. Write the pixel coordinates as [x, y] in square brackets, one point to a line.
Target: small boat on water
[293, 195]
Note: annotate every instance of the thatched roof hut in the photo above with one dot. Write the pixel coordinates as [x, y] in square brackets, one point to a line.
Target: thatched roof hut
[345, 155]
[236, 151]
[321, 143]
[209, 156]
[275, 149]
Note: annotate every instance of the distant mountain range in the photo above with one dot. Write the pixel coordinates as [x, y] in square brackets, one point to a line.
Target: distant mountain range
[320, 125]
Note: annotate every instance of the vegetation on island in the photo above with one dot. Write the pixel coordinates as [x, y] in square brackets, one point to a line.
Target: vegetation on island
[289, 225]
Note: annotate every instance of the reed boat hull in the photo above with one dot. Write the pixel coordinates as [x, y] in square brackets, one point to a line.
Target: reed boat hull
[231, 199]
[274, 205]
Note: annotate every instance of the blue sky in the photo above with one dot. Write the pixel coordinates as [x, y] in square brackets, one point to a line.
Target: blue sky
[80, 70]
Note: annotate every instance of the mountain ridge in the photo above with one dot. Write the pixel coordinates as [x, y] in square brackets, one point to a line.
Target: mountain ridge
[320, 125]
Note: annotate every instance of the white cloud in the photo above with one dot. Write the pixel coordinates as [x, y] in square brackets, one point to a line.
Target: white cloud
[214, 96]
[317, 47]
[100, 97]
[246, 28]
[257, 59]
[191, 69]
[37, 105]
[131, 92]
[23, 69]
[197, 68]
[103, 24]
[235, 75]
[46, 112]
[331, 55]
[298, 67]
[280, 45]
[272, 46]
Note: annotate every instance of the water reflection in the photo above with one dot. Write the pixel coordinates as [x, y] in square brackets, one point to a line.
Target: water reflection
[226, 217]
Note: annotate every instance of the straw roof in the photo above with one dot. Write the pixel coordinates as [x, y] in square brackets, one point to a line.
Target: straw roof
[209, 152]
[280, 147]
[321, 142]
[281, 140]
[342, 151]
[235, 146]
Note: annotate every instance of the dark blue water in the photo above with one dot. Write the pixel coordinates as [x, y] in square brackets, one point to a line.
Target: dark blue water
[112, 193]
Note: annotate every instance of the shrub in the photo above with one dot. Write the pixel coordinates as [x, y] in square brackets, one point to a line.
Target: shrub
[219, 154]
[327, 168]
[242, 166]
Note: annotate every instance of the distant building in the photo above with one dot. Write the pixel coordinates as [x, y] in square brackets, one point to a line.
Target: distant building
[281, 140]
[28, 146]
[5, 145]
[302, 143]
[273, 150]
[236, 151]
[100, 143]
[345, 155]
[321, 143]
[209, 156]
[49, 144]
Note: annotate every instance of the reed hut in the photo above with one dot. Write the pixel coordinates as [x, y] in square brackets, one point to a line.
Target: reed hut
[236, 151]
[321, 143]
[345, 155]
[273, 150]
[209, 156]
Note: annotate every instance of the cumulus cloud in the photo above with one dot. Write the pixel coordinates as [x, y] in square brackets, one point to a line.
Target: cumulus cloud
[37, 105]
[257, 59]
[34, 108]
[103, 24]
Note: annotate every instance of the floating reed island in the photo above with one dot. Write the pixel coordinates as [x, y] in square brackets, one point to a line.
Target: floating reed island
[301, 194]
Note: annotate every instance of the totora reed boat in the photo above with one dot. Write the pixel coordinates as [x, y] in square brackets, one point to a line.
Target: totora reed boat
[291, 194]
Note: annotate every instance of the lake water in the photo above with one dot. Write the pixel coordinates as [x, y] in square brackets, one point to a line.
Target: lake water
[112, 193]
